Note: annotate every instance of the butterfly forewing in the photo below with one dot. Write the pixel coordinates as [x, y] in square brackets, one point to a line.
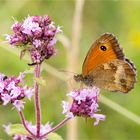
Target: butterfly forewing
[105, 49]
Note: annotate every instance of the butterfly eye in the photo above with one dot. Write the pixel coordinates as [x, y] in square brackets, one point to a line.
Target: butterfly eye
[103, 48]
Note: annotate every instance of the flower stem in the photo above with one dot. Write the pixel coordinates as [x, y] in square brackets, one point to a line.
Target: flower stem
[24, 123]
[56, 127]
[37, 101]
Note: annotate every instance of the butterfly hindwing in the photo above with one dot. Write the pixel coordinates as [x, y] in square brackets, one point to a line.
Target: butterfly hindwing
[116, 75]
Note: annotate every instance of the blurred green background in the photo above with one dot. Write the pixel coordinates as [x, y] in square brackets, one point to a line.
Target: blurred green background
[122, 18]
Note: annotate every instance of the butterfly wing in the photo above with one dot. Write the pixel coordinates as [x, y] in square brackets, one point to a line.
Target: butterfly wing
[115, 75]
[105, 49]
[106, 64]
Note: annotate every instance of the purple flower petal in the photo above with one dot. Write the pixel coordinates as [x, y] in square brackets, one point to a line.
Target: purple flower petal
[44, 128]
[98, 117]
[29, 26]
[6, 98]
[1, 86]
[66, 107]
[15, 92]
[19, 104]
[11, 85]
[7, 37]
[12, 91]
[37, 43]
[84, 104]
[7, 128]
[21, 76]
[29, 93]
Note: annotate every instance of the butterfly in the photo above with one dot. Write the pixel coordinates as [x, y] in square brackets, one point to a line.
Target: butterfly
[106, 67]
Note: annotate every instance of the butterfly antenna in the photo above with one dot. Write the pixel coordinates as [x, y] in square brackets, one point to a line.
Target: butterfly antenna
[67, 72]
[69, 82]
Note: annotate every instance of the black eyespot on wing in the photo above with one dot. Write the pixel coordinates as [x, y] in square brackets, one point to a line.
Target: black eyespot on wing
[123, 81]
[103, 48]
[108, 37]
[113, 67]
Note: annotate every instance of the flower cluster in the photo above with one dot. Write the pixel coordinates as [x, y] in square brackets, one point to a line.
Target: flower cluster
[12, 91]
[39, 33]
[44, 129]
[84, 104]
[21, 137]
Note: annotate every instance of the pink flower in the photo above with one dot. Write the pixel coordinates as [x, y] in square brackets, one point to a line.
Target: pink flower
[7, 37]
[15, 92]
[52, 43]
[37, 43]
[98, 117]
[16, 136]
[21, 137]
[21, 76]
[6, 98]
[38, 32]
[1, 86]
[44, 128]
[7, 128]
[29, 92]
[19, 104]
[12, 91]
[17, 27]
[58, 30]
[10, 85]
[29, 27]
[85, 104]
[35, 56]
[66, 107]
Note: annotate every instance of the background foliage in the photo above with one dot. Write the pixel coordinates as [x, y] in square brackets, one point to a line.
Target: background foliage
[121, 18]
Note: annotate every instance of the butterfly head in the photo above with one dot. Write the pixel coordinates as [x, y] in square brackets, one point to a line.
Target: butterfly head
[78, 78]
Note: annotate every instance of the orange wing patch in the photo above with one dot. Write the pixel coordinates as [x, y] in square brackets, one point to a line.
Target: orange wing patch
[105, 49]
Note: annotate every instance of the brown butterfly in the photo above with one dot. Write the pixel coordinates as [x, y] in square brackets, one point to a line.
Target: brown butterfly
[106, 67]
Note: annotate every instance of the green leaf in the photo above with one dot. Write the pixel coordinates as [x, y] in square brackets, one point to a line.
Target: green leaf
[41, 81]
[54, 136]
[17, 129]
